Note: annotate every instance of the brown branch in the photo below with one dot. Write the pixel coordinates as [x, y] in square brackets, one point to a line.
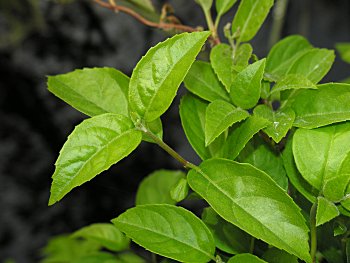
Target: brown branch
[143, 20]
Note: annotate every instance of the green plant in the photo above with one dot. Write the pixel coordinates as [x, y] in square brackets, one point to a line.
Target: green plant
[275, 147]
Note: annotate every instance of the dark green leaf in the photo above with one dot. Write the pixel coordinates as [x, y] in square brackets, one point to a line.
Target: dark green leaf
[92, 91]
[170, 231]
[92, 147]
[158, 74]
[274, 255]
[219, 116]
[105, 234]
[326, 211]
[156, 187]
[179, 191]
[249, 18]
[328, 104]
[293, 82]
[280, 121]
[344, 51]
[239, 137]
[222, 6]
[245, 258]
[246, 87]
[228, 237]
[202, 81]
[283, 54]
[251, 200]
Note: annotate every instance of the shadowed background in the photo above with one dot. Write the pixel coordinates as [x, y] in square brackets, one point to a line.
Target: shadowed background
[42, 37]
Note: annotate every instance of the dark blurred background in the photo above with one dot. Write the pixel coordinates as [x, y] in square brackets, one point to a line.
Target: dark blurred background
[44, 37]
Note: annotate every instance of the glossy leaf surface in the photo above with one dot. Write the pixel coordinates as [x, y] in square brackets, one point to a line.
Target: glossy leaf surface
[158, 74]
[219, 116]
[249, 18]
[319, 153]
[239, 137]
[221, 58]
[91, 148]
[228, 237]
[222, 6]
[283, 54]
[202, 81]
[293, 82]
[326, 211]
[280, 121]
[246, 87]
[251, 200]
[105, 234]
[245, 258]
[92, 91]
[156, 187]
[328, 104]
[169, 231]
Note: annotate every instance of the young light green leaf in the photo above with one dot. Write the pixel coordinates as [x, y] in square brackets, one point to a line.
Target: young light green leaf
[221, 58]
[192, 113]
[239, 137]
[245, 258]
[205, 4]
[344, 51]
[243, 54]
[328, 104]
[295, 177]
[319, 153]
[158, 74]
[202, 81]
[179, 191]
[97, 257]
[249, 18]
[265, 89]
[283, 54]
[105, 234]
[228, 237]
[129, 257]
[170, 231]
[92, 147]
[274, 255]
[280, 121]
[251, 200]
[156, 187]
[219, 116]
[326, 211]
[222, 6]
[264, 159]
[156, 127]
[293, 82]
[313, 64]
[246, 87]
[93, 91]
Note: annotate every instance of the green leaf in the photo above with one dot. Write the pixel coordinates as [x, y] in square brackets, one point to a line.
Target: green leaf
[293, 82]
[170, 231]
[264, 159]
[202, 81]
[228, 237]
[98, 257]
[344, 51]
[205, 4]
[251, 200]
[274, 255]
[192, 113]
[243, 54]
[128, 257]
[280, 121]
[156, 187]
[92, 91]
[326, 211]
[295, 177]
[221, 58]
[239, 137]
[246, 87]
[319, 153]
[249, 18]
[283, 54]
[265, 89]
[222, 6]
[179, 191]
[219, 116]
[246, 258]
[313, 64]
[328, 104]
[91, 148]
[105, 234]
[159, 73]
[156, 127]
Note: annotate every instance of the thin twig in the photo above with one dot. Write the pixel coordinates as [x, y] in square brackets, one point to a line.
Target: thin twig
[161, 25]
